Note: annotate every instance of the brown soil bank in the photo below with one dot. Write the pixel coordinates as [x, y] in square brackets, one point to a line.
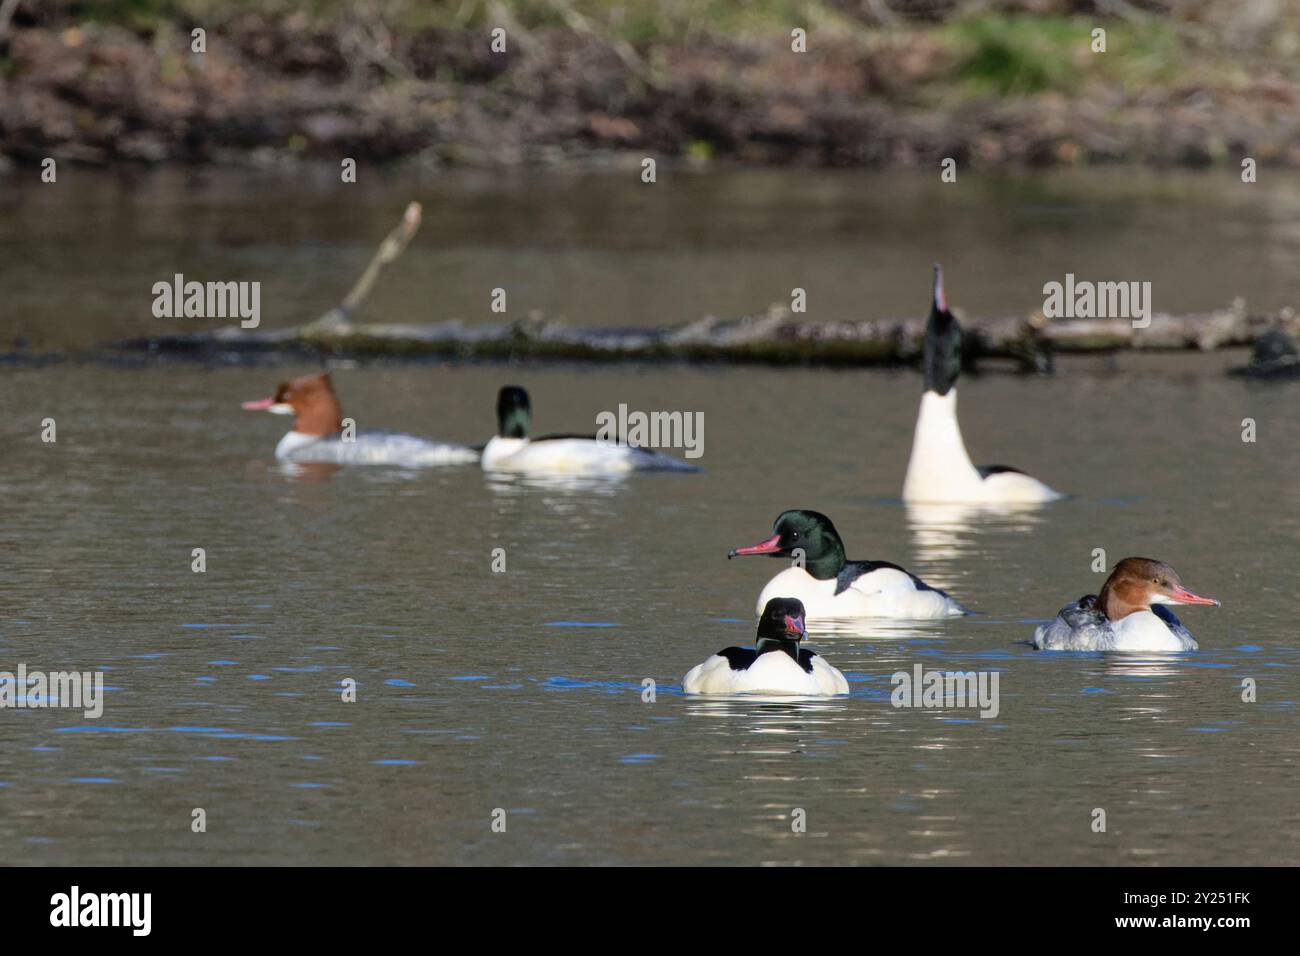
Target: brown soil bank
[882, 81]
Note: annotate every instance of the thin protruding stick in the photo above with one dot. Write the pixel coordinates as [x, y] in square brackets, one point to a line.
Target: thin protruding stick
[339, 318]
[7, 8]
[392, 247]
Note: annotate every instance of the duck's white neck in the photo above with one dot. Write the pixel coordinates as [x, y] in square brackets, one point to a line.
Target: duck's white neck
[939, 464]
[292, 442]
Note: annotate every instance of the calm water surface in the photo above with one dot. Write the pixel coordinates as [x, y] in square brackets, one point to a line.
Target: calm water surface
[522, 690]
[78, 259]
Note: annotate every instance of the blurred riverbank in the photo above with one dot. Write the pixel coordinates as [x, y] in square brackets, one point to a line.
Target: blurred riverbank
[884, 83]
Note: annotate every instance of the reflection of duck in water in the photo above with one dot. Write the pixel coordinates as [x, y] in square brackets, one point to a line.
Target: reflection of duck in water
[946, 534]
[775, 665]
[939, 469]
[309, 472]
[1128, 614]
[831, 586]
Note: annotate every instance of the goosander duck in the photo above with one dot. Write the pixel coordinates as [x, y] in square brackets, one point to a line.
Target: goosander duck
[940, 470]
[775, 665]
[830, 586]
[317, 434]
[511, 450]
[1127, 615]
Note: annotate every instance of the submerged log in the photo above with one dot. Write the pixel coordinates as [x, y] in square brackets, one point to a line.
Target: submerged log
[775, 336]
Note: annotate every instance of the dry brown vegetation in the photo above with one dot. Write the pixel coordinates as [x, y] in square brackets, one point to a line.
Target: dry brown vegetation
[883, 81]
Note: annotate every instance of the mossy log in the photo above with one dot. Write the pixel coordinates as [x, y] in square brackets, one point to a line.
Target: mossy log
[776, 336]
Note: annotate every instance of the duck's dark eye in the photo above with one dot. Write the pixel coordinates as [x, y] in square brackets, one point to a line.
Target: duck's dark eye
[794, 534]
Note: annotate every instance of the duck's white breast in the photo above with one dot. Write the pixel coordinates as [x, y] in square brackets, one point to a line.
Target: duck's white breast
[557, 456]
[1139, 631]
[772, 673]
[886, 592]
[940, 469]
[1144, 631]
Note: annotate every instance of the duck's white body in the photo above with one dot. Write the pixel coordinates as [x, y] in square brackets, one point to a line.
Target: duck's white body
[885, 592]
[940, 470]
[1083, 630]
[773, 672]
[373, 448]
[573, 456]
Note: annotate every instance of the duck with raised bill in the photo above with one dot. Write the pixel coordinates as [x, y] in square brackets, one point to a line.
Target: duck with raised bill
[939, 469]
[1129, 614]
[318, 433]
[833, 587]
[512, 451]
[776, 664]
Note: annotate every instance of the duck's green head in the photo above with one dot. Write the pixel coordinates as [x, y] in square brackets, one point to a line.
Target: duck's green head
[513, 412]
[942, 349]
[809, 532]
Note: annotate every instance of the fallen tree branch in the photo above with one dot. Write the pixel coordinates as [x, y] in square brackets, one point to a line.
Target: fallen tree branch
[339, 318]
[775, 336]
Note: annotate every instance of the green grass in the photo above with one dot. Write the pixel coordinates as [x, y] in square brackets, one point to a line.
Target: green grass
[642, 23]
[1021, 55]
[998, 53]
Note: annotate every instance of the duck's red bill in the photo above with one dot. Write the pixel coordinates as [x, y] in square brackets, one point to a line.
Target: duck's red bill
[260, 405]
[1184, 596]
[771, 546]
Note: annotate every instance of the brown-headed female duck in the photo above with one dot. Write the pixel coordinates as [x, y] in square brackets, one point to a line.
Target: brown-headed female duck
[1130, 613]
[319, 433]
